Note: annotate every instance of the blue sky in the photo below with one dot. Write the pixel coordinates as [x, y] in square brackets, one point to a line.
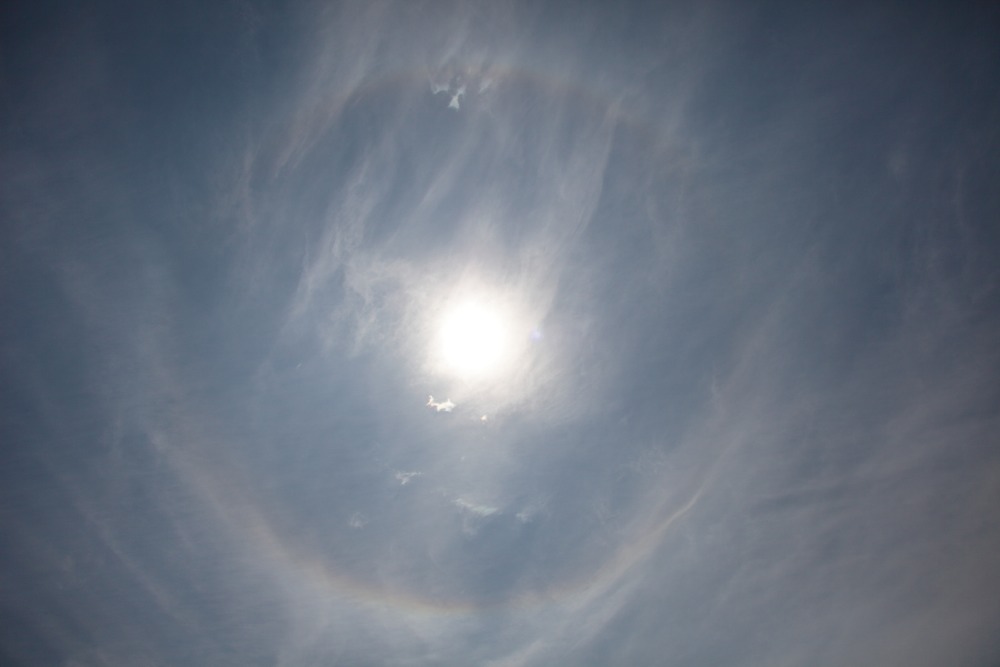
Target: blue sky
[497, 333]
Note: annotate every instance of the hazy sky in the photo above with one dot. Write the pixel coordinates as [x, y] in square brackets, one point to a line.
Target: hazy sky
[498, 333]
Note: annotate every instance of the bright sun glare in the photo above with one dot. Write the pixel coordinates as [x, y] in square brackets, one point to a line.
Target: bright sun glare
[474, 340]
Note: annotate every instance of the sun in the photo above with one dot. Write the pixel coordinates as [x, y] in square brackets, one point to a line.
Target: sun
[474, 340]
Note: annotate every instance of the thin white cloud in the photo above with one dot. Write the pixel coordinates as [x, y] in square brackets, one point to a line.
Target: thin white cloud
[441, 406]
[473, 515]
[525, 516]
[456, 97]
[476, 509]
[405, 477]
